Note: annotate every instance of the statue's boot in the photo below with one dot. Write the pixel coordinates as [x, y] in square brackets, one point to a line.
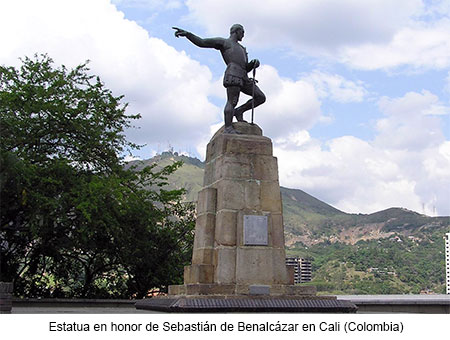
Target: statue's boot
[239, 116]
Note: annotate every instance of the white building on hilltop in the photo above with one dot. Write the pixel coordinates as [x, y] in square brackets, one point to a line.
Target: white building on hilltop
[447, 262]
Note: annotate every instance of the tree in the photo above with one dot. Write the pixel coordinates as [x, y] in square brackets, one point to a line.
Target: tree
[74, 222]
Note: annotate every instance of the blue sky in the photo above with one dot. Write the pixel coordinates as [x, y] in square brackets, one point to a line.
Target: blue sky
[358, 92]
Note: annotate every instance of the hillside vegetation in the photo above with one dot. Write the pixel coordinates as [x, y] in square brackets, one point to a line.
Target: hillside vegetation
[394, 251]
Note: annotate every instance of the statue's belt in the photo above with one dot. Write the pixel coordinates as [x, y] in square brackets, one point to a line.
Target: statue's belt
[236, 70]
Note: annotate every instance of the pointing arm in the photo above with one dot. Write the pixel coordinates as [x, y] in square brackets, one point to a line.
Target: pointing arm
[216, 43]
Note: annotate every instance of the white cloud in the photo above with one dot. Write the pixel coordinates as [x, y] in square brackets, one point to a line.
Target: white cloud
[149, 4]
[437, 8]
[370, 34]
[409, 123]
[447, 84]
[435, 183]
[413, 104]
[407, 164]
[317, 24]
[129, 158]
[290, 101]
[420, 46]
[336, 87]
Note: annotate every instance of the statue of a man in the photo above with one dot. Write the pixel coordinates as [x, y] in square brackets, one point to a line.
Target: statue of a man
[235, 78]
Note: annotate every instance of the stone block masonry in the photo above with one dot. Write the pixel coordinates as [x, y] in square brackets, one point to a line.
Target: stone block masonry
[239, 237]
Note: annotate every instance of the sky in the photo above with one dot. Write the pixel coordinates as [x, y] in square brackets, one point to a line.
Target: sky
[358, 92]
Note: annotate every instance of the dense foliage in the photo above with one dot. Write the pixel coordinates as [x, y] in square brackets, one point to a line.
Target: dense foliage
[397, 265]
[74, 222]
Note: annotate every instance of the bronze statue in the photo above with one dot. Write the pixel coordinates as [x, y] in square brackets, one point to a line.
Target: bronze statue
[235, 78]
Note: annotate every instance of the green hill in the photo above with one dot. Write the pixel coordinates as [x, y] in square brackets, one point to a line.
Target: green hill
[189, 176]
[391, 251]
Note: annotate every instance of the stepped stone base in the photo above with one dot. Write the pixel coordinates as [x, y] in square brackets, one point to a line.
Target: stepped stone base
[232, 289]
[246, 304]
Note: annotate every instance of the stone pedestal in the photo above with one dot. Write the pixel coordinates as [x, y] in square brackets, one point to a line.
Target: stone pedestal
[239, 238]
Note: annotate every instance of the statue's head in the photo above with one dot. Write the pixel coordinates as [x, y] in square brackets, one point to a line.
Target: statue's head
[237, 29]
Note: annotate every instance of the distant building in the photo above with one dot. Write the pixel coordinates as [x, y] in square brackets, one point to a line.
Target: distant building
[305, 270]
[302, 268]
[292, 262]
[447, 262]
